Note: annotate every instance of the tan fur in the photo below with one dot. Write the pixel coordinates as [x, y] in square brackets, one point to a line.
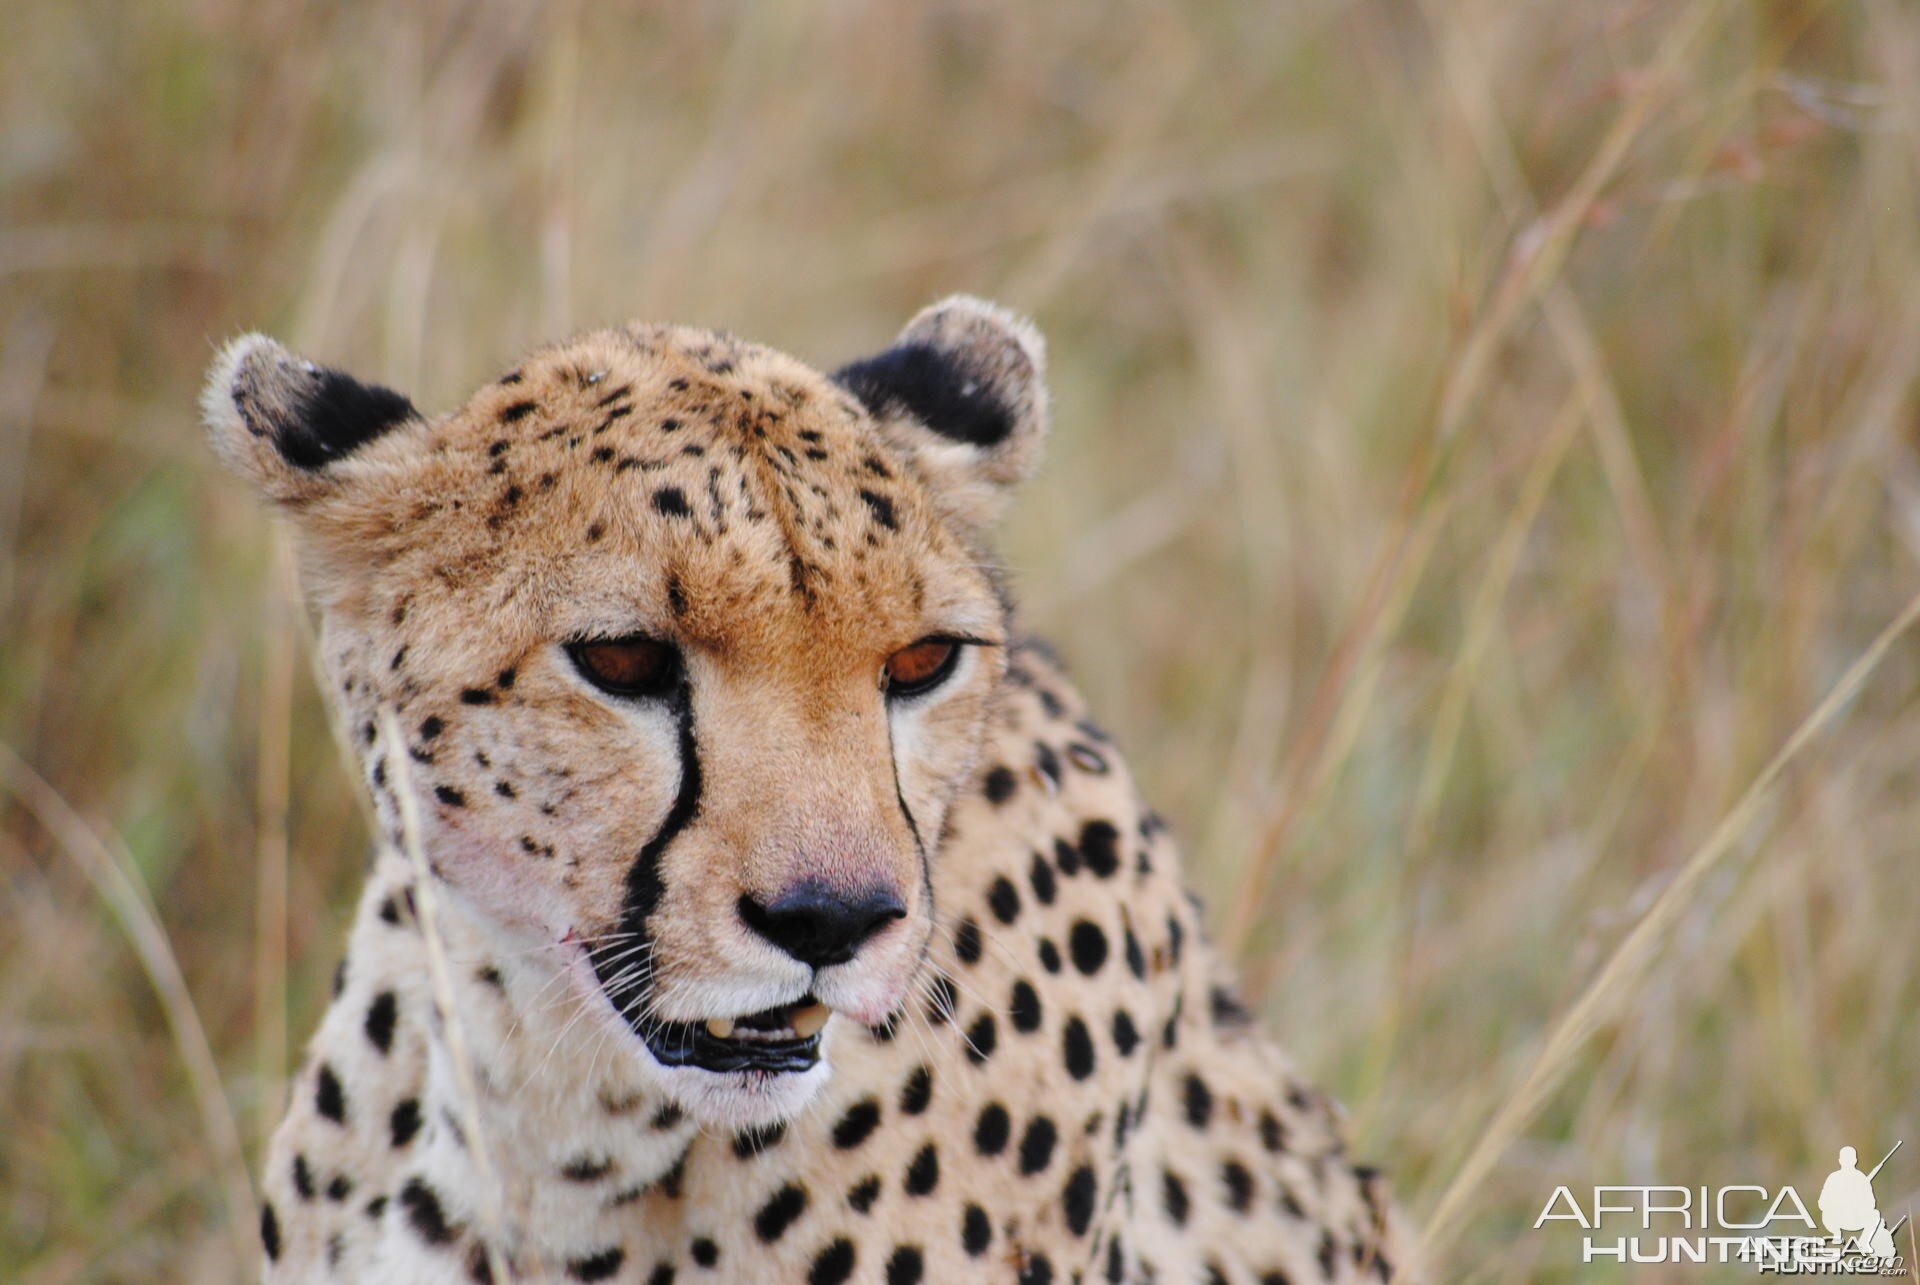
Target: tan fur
[729, 499]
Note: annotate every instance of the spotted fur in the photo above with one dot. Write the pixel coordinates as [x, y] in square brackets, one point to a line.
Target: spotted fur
[1039, 1073]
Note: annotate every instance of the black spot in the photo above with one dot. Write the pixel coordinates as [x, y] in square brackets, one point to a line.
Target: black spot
[705, 1252]
[1024, 1007]
[942, 1000]
[597, 1267]
[1078, 1046]
[779, 1213]
[425, 1214]
[1000, 785]
[270, 1231]
[1044, 884]
[861, 1196]
[514, 412]
[672, 501]
[1239, 1184]
[1126, 1036]
[340, 1188]
[666, 1117]
[1088, 946]
[1003, 901]
[404, 1122]
[302, 1176]
[340, 977]
[882, 509]
[1273, 1135]
[991, 1131]
[1037, 1271]
[504, 679]
[833, 1264]
[1078, 1199]
[476, 696]
[1036, 1145]
[328, 1098]
[982, 1036]
[663, 1274]
[1049, 955]
[906, 1267]
[1067, 857]
[976, 1233]
[1199, 1101]
[923, 1174]
[585, 1168]
[934, 388]
[450, 796]
[966, 941]
[381, 1015]
[751, 1142]
[1173, 1196]
[1087, 759]
[1136, 957]
[857, 1125]
[917, 1092]
[431, 726]
[1100, 847]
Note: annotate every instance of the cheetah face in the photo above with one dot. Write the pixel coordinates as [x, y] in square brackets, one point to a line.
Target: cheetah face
[683, 652]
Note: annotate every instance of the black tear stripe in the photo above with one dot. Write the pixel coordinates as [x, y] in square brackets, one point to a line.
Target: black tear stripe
[919, 844]
[645, 886]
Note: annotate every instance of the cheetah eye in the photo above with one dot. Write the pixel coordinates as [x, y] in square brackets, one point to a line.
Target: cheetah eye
[636, 666]
[920, 668]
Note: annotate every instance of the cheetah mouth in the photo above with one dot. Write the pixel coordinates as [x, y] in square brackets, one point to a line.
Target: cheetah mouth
[774, 1041]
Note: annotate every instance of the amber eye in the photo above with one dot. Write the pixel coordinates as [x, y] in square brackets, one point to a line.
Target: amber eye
[921, 667]
[636, 666]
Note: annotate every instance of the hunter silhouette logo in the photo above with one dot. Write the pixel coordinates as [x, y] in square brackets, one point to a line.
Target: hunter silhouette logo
[1770, 1229]
[1848, 1209]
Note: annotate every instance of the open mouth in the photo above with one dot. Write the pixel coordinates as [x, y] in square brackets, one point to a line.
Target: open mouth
[774, 1041]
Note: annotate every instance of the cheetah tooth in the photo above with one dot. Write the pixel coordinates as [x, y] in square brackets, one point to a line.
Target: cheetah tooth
[721, 1028]
[809, 1020]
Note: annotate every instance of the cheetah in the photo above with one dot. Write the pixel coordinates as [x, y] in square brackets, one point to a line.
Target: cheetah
[752, 900]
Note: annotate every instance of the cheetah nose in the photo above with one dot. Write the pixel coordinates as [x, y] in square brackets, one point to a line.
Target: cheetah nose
[820, 927]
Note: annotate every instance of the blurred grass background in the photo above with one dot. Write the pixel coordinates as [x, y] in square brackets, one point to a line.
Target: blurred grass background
[1485, 432]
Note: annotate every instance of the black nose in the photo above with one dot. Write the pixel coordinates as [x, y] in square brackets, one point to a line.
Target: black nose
[819, 927]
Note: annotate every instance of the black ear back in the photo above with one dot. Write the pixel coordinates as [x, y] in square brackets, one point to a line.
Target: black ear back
[962, 395]
[325, 417]
[935, 388]
[280, 420]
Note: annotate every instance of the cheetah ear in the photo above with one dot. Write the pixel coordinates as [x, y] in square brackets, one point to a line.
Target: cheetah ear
[962, 393]
[280, 421]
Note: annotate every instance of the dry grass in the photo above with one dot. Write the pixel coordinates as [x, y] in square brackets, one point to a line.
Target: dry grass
[1486, 434]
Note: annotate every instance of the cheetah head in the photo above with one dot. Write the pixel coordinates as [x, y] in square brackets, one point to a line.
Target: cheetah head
[688, 649]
